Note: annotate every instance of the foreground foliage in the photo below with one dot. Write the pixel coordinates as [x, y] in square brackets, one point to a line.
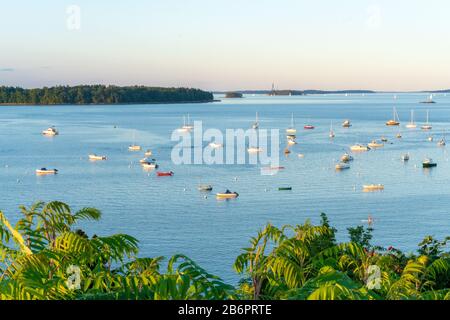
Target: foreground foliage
[44, 257]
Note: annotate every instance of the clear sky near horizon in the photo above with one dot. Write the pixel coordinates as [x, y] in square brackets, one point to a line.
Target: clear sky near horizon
[227, 44]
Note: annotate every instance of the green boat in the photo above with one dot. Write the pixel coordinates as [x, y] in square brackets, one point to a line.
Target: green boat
[285, 189]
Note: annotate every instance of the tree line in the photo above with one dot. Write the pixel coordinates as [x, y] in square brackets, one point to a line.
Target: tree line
[43, 256]
[101, 94]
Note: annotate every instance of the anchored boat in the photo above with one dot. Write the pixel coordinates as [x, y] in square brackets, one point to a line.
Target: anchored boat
[342, 166]
[395, 121]
[227, 195]
[205, 188]
[427, 125]
[359, 148]
[373, 187]
[51, 131]
[45, 171]
[428, 163]
[164, 174]
[375, 144]
[95, 157]
[291, 129]
[346, 124]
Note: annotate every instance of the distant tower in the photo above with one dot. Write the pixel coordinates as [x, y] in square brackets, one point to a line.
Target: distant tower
[272, 92]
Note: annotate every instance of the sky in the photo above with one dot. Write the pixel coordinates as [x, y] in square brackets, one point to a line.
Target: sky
[227, 44]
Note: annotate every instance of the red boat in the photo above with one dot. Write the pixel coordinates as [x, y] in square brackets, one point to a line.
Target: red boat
[164, 174]
[309, 127]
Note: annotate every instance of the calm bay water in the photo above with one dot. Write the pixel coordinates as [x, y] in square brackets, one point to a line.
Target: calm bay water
[169, 215]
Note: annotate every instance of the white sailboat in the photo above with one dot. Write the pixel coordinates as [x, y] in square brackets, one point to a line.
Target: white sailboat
[442, 142]
[427, 125]
[412, 124]
[255, 125]
[291, 129]
[134, 146]
[332, 134]
[188, 125]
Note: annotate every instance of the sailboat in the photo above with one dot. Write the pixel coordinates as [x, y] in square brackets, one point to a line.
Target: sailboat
[134, 146]
[255, 125]
[442, 142]
[430, 100]
[291, 130]
[427, 125]
[184, 128]
[332, 134]
[395, 121]
[412, 124]
[188, 125]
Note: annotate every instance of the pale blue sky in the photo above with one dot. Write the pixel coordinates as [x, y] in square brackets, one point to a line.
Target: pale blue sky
[229, 44]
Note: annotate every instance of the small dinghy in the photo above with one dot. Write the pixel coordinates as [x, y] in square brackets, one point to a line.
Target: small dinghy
[45, 171]
[405, 157]
[309, 127]
[285, 189]
[214, 145]
[164, 174]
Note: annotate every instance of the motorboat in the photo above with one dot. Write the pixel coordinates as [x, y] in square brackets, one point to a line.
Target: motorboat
[95, 157]
[342, 166]
[405, 157]
[164, 174]
[428, 163]
[148, 153]
[346, 124]
[309, 127]
[375, 144]
[384, 139]
[150, 165]
[45, 171]
[205, 188]
[51, 131]
[134, 147]
[227, 195]
[373, 187]
[346, 158]
[359, 148]
[285, 189]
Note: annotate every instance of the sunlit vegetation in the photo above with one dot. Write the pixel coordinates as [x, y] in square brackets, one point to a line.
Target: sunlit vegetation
[45, 256]
[100, 94]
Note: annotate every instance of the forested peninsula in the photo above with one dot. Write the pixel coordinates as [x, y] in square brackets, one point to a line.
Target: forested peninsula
[100, 94]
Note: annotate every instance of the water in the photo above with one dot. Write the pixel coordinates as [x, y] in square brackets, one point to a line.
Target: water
[169, 215]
